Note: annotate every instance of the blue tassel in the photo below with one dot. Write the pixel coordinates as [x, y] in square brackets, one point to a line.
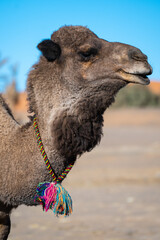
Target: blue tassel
[63, 205]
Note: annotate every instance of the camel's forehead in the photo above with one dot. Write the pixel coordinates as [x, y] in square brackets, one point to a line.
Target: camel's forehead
[72, 35]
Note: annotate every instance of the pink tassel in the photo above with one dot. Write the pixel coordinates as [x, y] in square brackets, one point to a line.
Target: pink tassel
[46, 195]
[50, 196]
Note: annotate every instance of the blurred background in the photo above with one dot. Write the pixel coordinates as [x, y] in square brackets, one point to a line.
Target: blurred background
[115, 188]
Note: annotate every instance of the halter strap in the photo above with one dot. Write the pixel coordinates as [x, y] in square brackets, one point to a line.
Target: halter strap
[45, 158]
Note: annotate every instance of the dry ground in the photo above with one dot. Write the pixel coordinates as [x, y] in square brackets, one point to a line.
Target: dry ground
[115, 188]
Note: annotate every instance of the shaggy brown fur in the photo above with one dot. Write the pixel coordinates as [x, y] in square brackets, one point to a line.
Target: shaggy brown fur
[5, 107]
[69, 89]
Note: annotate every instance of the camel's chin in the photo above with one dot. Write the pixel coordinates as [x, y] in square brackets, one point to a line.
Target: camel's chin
[135, 78]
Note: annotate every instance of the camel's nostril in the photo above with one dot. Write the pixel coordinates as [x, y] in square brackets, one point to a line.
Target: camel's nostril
[137, 55]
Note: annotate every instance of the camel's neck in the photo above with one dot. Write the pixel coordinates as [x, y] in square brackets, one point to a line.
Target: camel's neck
[76, 126]
[75, 129]
[72, 131]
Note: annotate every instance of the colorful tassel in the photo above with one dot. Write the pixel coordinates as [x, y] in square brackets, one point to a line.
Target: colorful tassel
[54, 196]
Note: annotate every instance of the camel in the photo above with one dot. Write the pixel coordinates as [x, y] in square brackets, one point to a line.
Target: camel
[73, 83]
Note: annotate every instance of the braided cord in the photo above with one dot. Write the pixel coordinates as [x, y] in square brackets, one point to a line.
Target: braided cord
[45, 158]
[66, 171]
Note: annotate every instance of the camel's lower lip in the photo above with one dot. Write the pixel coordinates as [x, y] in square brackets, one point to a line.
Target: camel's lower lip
[135, 78]
[144, 79]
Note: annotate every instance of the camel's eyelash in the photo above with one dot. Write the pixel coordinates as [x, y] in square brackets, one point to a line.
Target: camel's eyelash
[86, 55]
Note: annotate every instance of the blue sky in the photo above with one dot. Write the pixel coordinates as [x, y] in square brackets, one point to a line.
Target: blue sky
[23, 24]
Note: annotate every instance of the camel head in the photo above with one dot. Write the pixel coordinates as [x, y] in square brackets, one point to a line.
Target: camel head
[77, 64]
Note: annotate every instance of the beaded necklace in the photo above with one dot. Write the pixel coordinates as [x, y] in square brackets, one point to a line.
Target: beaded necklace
[51, 195]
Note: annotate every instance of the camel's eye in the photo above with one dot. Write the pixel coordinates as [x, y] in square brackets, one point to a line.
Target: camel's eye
[86, 55]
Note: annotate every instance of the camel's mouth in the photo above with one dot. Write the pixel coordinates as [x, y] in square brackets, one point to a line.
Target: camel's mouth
[140, 78]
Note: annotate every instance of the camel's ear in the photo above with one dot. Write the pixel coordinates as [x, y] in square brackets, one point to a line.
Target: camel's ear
[49, 49]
